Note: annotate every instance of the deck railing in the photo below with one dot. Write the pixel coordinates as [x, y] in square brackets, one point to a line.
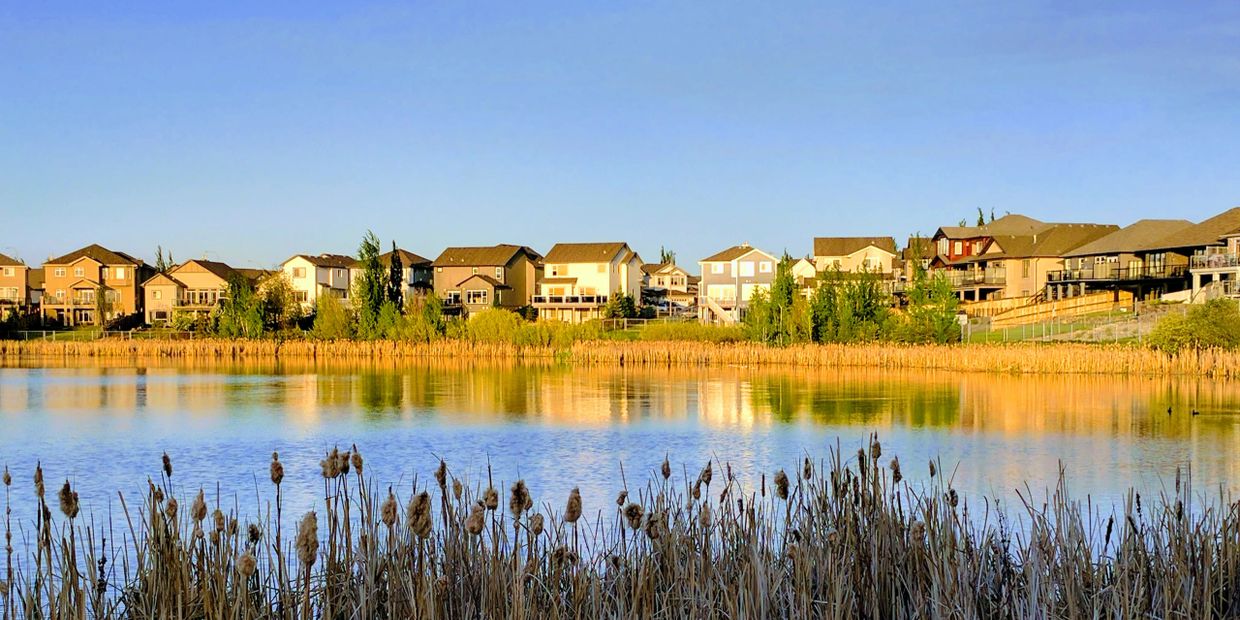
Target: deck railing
[1216, 261]
[1102, 273]
[570, 300]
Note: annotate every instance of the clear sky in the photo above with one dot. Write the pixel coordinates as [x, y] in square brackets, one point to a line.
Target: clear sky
[253, 132]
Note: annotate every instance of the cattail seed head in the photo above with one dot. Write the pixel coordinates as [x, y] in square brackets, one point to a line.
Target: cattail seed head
[490, 498]
[457, 489]
[475, 522]
[171, 509]
[536, 524]
[518, 497]
[247, 564]
[254, 534]
[621, 498]
[952, 498]
[330, 465]
[357, 460]
[654, 525]
[387, 512]
[633, 513]
[704, 519]
[8, 479]
[563, 555]
[917, 531]
[198, 510]
[167, 465]
[441, 475]
[68, 501]
[4, 589]
[896, 475]
[308, 538]
[807, 471]
[277, 469]
[781, 484]
[876, 449]
[232, 526]
[418, 515]
[932, 472]
[667, 469]
[343, 460]
[697, 490]
[572, 511]
[707, 474]
[218, 518]
[38, 480]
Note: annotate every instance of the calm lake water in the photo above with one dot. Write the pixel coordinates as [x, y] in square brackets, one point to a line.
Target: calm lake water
[557, 427]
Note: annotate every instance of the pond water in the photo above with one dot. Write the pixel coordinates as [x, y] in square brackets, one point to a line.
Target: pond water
[104, 427]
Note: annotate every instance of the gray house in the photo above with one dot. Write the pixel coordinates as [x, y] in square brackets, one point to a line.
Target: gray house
[729, 279]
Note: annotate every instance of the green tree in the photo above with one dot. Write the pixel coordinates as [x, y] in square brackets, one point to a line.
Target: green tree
[1214, 324]
[981, 217]
[240, 313]
[281, 309]
[331, 319]
[396, 279]
[932, 309]
[620, 306]
[667, 256]
[161, 262]
[103, 305]
[370, 290]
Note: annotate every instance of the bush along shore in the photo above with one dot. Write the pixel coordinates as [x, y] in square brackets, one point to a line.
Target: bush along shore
[843, 537]
[1008, 358]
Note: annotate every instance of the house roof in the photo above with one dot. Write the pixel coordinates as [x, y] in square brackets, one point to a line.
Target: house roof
[1132, 238]
[603, 252]
[843, 246]
[487, 256]
[333, 261]
[84, 283]
[732, 254]
[655, 268]
[1206, 233]
[496, 284]
[220, 270]
[1056, 240]
[407, 258]
[919, 247]
[1010, 224]
[35, 278]
[6, 261]
[97, 253]
[254, 275]
[165, 276]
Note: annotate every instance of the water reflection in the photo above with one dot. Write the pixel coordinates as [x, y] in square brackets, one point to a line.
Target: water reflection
[107, 424]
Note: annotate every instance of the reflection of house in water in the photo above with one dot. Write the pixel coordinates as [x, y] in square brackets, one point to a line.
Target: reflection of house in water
[86, 389]
[725, 401]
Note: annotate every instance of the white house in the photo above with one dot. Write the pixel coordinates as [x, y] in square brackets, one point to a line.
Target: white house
[314, 276]
[729, 279]
[579, 279]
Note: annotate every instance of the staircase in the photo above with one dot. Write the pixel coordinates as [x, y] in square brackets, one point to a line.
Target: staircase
[720, 315]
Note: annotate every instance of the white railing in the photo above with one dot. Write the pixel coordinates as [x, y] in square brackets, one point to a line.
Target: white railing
[570, 300]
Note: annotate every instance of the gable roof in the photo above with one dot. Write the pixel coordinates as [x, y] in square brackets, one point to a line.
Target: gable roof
[843, 246]
[1010, 224]
[656, 268]
[97, 253]
[164, 276]
[1206, 233]
[1132, 238]
[733, 253]
[919, 247]
[35, 278]
[1051, 242]
[407, 258]
[218, 269]
[484, 256]
[6, 261]
[586, 252]
[253, 275]
[331, 261]
[496, 284]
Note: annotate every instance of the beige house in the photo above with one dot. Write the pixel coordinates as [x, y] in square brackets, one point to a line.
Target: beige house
[14, 286]
[415, 275]
[804, 272]
[855, 254]
[314, 276]
[730, 278]
[73, 284]
[194, 287]
[670, 281]
[470, 279]
[579, 279]
[1019, 265]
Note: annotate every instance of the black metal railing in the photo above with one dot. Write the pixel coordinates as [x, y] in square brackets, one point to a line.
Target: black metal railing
[1102, 273]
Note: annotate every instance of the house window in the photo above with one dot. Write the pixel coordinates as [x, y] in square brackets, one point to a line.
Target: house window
[475, 271]
[476, 298]
[746, 269]
[8, 271]
[764, 266]
[957, 248]
[1024, 268]
[59, 272]
[78, 272]
[301, 296]
[716, 267]
[120, 273]
[499, 274]
[602, 268]
[157, 295]
[439, 270]
[299, 272]
[453, 297]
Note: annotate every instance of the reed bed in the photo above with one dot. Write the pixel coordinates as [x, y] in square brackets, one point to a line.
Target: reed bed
[842, 537]
[1007, 358]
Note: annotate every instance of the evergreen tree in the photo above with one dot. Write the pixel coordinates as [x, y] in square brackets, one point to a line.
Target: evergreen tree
[331, 320]
[666, 256]
[161, 264]
[370, 289]
[396, 278]
[981, 217]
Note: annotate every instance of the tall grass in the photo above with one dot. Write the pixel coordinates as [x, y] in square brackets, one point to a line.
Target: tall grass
[1007, 358]
[844, 537]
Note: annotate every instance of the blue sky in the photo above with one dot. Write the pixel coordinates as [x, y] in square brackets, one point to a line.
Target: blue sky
[253, 132]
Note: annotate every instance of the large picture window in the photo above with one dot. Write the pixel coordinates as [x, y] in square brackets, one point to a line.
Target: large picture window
[476, 298]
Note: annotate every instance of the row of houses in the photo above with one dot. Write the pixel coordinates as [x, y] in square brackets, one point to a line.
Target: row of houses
[1013, 257]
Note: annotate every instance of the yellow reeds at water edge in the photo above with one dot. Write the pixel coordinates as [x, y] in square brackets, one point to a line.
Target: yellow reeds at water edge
[841, 537]
[1009, 358]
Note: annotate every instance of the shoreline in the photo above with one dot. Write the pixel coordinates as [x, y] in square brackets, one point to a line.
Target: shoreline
[1020, 358]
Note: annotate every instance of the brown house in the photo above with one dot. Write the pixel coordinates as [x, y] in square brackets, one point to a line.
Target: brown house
[14, 286]
[193, 287]
[469, 279]
[83, 283]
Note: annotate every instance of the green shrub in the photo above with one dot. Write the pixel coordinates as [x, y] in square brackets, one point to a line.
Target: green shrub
[695, 332]
[1215, 324]
[493, 325]
[331, 319]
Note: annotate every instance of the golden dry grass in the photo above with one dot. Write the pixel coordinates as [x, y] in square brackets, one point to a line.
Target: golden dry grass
[1007, 358]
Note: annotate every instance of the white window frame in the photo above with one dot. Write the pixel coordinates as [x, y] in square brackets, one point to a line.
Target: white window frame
[499, 274]
[59, 272]
[157, 295]
[8, 272]
[716, 268]
[120, 273]
[477, 297]
[764, 266]
[746, 269]
[79, 272]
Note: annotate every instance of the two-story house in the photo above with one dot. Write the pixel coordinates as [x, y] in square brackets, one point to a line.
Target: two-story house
[194, 287]
[1116, 262]
[311, 277]
[81, 283]
[875, 255]
[730, 278]
[1027, 260]
[416, 277]
[671, 282]
[471, 279]
[14, 286]
[579, 279]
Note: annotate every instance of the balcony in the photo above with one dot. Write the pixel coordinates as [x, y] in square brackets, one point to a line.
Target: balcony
[1215, 261]
[569, 301]
[969, 279]
[1103, 273]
